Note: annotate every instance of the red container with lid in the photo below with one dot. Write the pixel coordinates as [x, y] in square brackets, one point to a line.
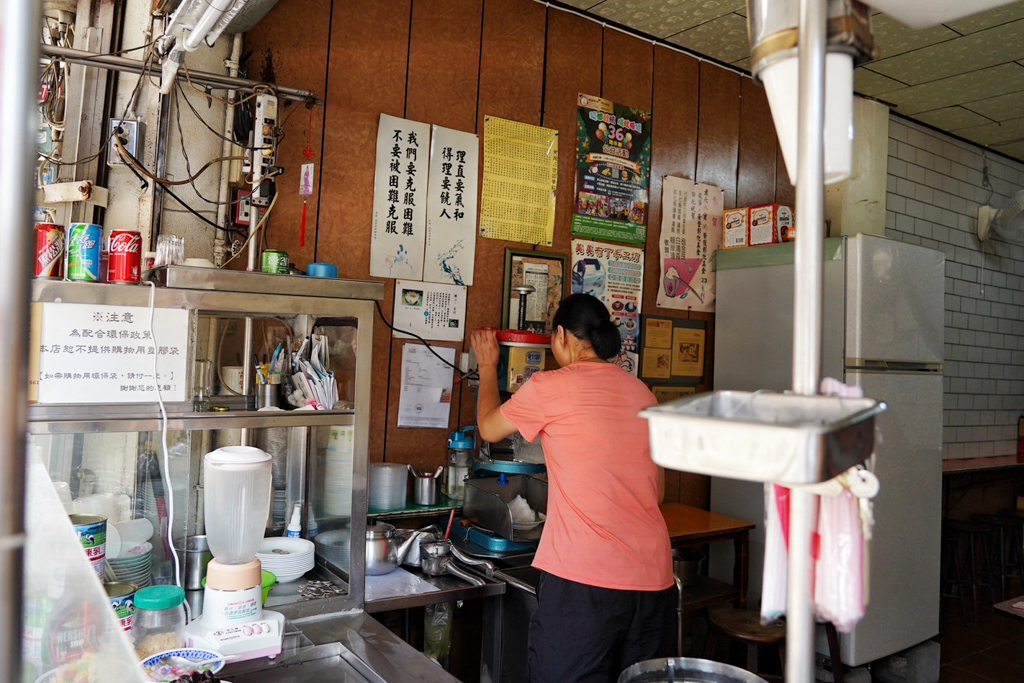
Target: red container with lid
[124, 253]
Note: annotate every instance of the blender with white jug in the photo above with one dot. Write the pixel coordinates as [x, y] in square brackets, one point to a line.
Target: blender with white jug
[238, 484]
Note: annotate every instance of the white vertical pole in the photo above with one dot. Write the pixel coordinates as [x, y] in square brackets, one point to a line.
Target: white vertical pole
[810, 200]
[19, 83]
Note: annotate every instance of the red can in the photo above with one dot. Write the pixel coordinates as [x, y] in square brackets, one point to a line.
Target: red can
[49, 250]
[124, 253]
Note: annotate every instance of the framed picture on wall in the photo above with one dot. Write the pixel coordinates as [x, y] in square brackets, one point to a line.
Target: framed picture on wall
[543, 271]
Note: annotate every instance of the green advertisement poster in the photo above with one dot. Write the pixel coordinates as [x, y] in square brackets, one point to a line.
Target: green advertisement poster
[613, 171]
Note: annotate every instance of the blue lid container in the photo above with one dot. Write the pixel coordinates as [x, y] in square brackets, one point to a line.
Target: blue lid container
[322, 270]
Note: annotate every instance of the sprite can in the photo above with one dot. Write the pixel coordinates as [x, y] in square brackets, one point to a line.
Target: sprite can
[274, 261]
[84, 252]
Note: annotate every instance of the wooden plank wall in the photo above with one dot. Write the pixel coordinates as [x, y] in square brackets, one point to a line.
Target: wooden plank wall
[451, 62]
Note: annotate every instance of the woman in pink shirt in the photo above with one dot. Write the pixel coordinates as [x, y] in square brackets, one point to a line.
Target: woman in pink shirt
[607, 595]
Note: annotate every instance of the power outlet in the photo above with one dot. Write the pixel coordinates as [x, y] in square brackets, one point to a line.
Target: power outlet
[264, 143]
[130, 134]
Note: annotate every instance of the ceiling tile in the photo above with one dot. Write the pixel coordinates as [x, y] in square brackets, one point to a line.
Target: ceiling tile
[867, 82]
[893, 38]
[724, 38]
[1013, 149]
[968, 87]
[1001, 108]
[662, 18]
[994, 133]
[743, 64]
[951, 118]
[984, 20]
[583, 4]
[979, 50]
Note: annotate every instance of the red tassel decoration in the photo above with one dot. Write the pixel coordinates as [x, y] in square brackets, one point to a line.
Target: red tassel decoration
[302, 231]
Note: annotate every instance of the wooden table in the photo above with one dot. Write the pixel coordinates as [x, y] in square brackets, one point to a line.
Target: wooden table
[1008, 607]
[688, 527]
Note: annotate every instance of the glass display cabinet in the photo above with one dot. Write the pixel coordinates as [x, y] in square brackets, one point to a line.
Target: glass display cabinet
[95, 419]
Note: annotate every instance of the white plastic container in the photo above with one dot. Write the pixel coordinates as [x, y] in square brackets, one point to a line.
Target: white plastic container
[237, 491]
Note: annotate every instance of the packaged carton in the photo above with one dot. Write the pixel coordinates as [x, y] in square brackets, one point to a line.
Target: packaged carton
[770, 224]
[735, 226]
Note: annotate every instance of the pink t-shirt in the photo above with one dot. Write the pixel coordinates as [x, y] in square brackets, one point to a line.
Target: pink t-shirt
[603, 524]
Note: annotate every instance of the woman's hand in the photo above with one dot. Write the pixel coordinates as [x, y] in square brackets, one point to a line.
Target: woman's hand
[485, 347]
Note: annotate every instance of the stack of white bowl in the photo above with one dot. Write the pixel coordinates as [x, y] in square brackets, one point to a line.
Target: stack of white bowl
[338, 472]
[334, 546]
[134, 565]
[387, 486]
[287, 558]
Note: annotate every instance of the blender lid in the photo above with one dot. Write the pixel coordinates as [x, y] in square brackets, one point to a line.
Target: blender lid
[237, 455]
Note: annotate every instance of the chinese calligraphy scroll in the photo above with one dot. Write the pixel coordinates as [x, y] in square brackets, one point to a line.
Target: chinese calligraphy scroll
[451, 207]
[399, 198]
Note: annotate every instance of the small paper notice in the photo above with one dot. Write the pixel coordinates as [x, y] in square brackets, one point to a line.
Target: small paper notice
[426, 397]
[429, 309]
[104, 354]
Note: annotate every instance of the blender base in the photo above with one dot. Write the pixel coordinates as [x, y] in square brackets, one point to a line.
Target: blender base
[255, 638]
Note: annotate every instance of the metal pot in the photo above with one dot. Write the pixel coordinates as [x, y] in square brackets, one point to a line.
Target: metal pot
[686, 563]
[384, 548]
[686, 669]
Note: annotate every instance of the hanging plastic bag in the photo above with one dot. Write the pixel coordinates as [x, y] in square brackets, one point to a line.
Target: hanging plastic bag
[437, 630]
[776, 555]
[839, 576]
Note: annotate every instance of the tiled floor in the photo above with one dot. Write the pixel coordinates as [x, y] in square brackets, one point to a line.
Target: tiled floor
[989, 650]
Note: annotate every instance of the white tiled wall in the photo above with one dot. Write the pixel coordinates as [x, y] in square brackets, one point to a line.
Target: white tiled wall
[935, 186]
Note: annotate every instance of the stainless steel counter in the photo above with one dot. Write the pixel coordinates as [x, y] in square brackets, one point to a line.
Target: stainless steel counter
[450, 590]
[341, 648]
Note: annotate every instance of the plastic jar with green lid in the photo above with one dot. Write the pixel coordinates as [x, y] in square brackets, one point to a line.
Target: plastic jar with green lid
[159, 620]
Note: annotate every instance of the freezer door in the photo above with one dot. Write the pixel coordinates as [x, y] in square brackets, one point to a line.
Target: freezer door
[896, 301]
[904, 583]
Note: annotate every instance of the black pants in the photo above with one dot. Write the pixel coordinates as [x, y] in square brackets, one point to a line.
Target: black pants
[583, 634]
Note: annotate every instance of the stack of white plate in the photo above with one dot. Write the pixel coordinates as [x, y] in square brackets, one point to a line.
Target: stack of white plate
[287, 558]
[334, 546]
[387, 486]
[338, 472]
[135, 565]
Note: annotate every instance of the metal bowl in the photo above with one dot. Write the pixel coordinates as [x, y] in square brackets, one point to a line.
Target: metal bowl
[686, 670]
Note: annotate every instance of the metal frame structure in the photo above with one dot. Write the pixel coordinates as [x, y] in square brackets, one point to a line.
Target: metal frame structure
[19, 52]
[309, 302]
[807, 316]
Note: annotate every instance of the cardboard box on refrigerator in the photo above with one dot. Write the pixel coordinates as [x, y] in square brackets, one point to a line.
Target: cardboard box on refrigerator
[736, 228]
[770, 224]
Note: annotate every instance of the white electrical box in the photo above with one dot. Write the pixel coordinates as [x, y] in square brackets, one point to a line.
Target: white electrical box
[130, 134]
[264, 143]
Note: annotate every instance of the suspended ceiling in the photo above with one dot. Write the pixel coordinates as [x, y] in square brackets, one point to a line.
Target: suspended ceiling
[965, 77]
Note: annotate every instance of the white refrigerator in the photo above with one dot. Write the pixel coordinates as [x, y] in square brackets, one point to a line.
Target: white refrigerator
[883, 330]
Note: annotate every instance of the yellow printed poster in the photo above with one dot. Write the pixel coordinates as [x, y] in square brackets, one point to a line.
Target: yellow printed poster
[663, 394]
[657, 364]
[687, 352]
[517, 201]
[658, 333]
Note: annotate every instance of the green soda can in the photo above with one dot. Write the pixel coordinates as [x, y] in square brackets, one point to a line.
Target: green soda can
[274, 261]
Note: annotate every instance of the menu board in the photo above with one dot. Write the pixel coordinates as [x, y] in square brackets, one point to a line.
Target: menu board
[90, 353]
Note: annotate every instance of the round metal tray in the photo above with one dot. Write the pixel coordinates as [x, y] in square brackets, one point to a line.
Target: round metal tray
[686, 670]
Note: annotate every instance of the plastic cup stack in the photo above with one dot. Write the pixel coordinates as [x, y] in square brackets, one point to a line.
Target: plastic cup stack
[388, 486]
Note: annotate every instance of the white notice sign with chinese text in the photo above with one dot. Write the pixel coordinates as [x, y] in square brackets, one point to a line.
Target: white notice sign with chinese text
[104, 354]
[433, 311]
[399, 198]
[451, 207]
[426, 394]
[691, 232]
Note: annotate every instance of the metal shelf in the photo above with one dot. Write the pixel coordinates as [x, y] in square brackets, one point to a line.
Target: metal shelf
[82, 421]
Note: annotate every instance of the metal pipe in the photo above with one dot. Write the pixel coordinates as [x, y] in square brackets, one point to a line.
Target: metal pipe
[206, 78]
[807, 304]
[225, 166]
[247, 344]
[19, 55]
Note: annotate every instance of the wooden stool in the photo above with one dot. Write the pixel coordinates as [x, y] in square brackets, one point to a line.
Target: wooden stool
[951, 573]
[975, 545]
[1008, 552]
[745, 626]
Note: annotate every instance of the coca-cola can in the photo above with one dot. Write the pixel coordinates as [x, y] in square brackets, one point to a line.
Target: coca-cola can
[49, 250]
[124, 254]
